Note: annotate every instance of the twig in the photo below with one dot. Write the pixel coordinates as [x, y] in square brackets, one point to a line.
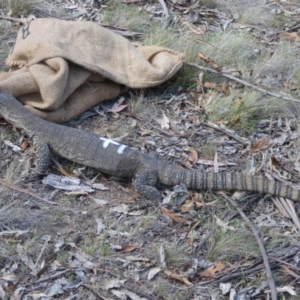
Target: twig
[245, 83]
[163, 4]
[93, 291]
[141, 294]
[20, 20]
[243, 207]
[54, 276]
[232, 276]
[235, 137]
[14, 187]
[260, 245]
[285, 263]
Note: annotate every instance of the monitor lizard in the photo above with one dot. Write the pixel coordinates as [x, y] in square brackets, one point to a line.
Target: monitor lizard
[115, 159]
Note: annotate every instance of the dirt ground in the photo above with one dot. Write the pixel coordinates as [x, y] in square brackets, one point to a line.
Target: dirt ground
[58, 244]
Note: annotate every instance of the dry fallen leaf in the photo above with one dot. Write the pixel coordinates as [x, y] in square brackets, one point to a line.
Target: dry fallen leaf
[65, 173]
[287, 289]
[198, 30]
[177, 277]
[194, 155]
[290, 36]
[153, 272]
[203, 57]
[213, 270]
[210, 85]
[209, 60]
[15, 148]
[275, 162]
[235, 122]
[224, 224]
[126, 248]
[200, 82]
[118, 106]
[145, 132]
[258, 146]
[216, 67]
[187, 207]
[225, 89]
[165, 122]
[171, 215]
[201, 204]
[24, 144]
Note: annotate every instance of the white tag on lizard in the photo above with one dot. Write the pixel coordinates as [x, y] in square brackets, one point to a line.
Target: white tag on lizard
[108, 141]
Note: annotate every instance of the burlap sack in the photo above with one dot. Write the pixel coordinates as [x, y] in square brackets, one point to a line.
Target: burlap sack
[62, 68]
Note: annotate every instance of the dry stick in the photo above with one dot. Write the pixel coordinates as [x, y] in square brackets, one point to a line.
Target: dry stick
[93, 291]
[165, 9]
[14, 187]
[245, 83]
[232, 276]
[54, 276]
[260, 245]
[235, 137]
[141, 294]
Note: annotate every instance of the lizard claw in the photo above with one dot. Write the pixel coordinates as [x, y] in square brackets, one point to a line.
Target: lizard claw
[31, 178]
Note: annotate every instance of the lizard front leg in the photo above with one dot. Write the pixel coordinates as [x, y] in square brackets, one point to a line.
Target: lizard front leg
[43, 158]
[144, 183]
[42, 161]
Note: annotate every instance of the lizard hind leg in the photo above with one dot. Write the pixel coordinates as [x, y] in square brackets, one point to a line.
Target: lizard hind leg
[144, 183]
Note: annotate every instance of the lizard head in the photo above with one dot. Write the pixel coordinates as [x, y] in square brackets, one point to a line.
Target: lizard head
[11, 109]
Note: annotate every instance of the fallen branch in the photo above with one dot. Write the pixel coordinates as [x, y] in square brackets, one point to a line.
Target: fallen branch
[165, 9]
[234, 136]
[51, 277]
[96, 294]
[260, 245]
[245, 83]
[14, 187]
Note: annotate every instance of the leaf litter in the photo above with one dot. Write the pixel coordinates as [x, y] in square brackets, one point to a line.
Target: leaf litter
[174, 253]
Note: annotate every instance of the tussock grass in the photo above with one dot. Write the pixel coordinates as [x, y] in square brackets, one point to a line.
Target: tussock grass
[136, 103]
[232, 245]
[7, 35]
[232, 49]
[248, 106]
[281, 65]
[246, 12]
[120, 15]
[23, 8]
[175, 255]
[95, 246]
[208, 150]
[164, 291]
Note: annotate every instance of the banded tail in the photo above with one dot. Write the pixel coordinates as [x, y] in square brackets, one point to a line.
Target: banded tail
[235, 181]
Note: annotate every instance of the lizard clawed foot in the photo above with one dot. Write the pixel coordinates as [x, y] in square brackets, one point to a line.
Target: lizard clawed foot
[144, 204]
[31, 177]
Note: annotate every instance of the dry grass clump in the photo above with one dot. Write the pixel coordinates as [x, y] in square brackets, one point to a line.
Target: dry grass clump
[231, 246]
[129, 17]
[246, 12]
[7, 37]
[282, 65]
[232, 49]
[23, 8]
[243, 108]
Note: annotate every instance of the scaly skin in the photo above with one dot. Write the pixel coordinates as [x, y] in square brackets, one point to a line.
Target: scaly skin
[118, 160]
